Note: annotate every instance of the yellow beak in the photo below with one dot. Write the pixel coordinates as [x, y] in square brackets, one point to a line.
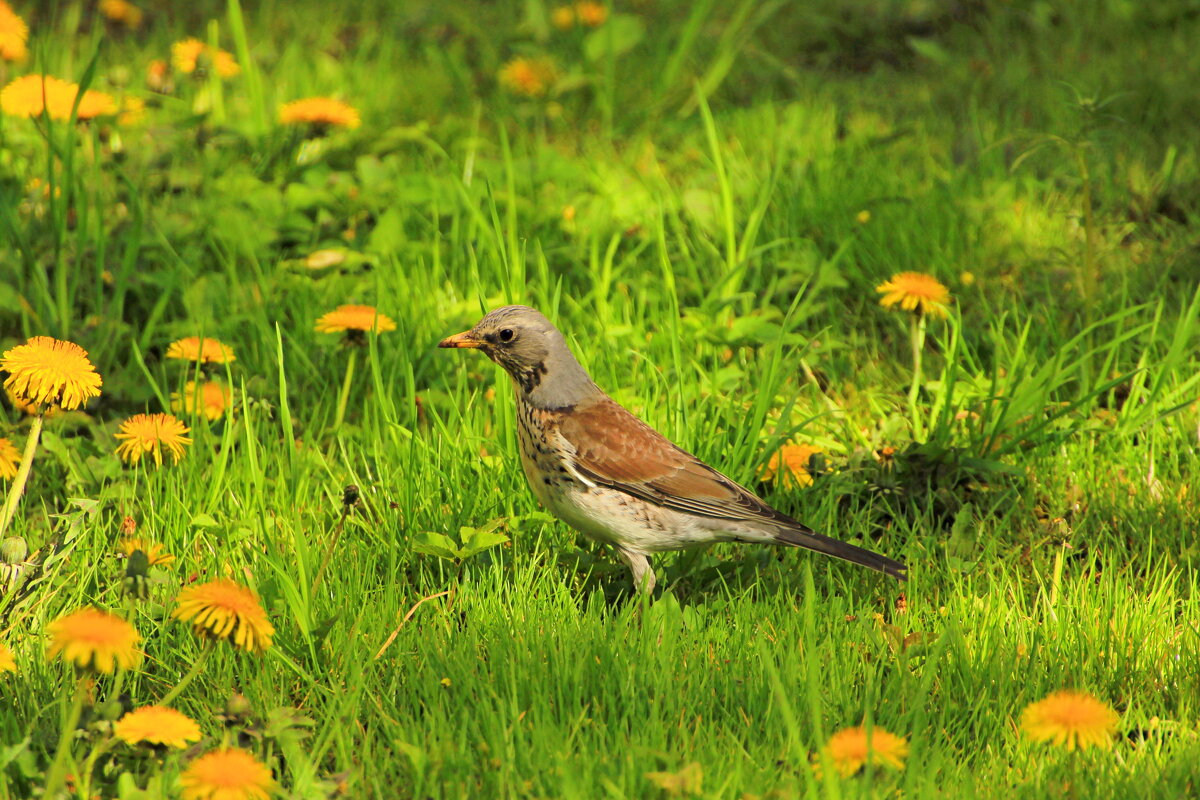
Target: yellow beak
[461, 340]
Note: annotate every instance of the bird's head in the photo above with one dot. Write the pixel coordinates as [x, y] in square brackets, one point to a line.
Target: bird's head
[531, 350]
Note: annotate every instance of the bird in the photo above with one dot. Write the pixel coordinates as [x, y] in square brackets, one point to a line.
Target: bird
[612, 477]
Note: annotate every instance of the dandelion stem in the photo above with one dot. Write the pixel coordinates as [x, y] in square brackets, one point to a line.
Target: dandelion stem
[916, 333]
[56, 776]
[85, 777]
[197, 665]
[337, 534]
[18, 485]
[344, 397]
[1056, 579]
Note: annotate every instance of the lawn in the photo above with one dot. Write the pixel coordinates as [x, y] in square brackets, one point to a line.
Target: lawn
[705, 198]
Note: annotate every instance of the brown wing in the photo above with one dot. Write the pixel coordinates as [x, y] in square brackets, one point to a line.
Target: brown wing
[616, 449]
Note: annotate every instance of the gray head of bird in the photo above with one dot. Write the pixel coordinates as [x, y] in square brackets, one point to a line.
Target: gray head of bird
[533, 352]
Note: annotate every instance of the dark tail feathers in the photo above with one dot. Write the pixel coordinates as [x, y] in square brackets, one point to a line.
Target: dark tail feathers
[800, 536]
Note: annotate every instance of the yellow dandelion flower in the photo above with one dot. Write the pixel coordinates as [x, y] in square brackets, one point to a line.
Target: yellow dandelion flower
[916, 292]
[95, 638]
[158, 77]
[590, 13]
[185, 53]
[7, 662]
[30, 95]
[851, 749]
[527, 76]
[13, 34]
[323, 111]
[133, 111]
[225, 610]
[157, 725]
[153, 550]
[123, 12]
[789, 465]
[96, 104]
[226, 774]
[213, 397]
[10, 459]
[206, 350]
[189, 54]
[1070, 719]
[150, 433]
[225, 65]
[47, 371]
[344, 319]
[563, 18]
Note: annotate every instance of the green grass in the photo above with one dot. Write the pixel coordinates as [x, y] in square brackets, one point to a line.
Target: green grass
[688, 206]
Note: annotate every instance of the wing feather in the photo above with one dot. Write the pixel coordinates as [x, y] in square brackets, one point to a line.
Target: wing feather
[616, 449]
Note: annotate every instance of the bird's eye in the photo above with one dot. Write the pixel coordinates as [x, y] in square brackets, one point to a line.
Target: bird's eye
[506, 335]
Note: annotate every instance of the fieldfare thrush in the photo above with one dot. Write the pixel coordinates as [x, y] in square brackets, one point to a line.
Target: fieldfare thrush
[611, 476]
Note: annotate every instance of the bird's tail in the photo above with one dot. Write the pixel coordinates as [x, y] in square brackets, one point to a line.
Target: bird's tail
[798, 535]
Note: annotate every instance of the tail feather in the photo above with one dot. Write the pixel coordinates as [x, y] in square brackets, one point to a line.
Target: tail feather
[800, 536]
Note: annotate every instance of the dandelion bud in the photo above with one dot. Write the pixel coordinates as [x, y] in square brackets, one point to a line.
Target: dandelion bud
[238, 706]
[13, 550]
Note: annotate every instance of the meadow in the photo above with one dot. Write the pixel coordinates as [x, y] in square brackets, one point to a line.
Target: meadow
[313, 568]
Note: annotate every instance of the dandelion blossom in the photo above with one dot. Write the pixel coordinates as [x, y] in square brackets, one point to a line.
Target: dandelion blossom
[13, 34]
[206, 350]
[7, 662]
[95, 638]
[225, 610]
[157, 725]
[123, 12]
[226, 774]
[789, 465]
[154, 552]
[185, 53]
[590, 13]
[527, 76]
[133, 111]
[916, 292]
[96, 104]
[189, 54]
[563, 18]
[158, 77]
[851, 749]
[50, 371]
[10, 458]
[322, 111]
[30, 95]
[344, 319]
[150, 433]
[212, 398]
[1070, 719]
[224, 64]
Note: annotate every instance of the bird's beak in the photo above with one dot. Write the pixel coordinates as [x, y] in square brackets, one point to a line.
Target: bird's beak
[461, 340]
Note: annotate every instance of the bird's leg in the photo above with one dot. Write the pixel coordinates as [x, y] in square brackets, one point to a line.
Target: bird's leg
[639, 565]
